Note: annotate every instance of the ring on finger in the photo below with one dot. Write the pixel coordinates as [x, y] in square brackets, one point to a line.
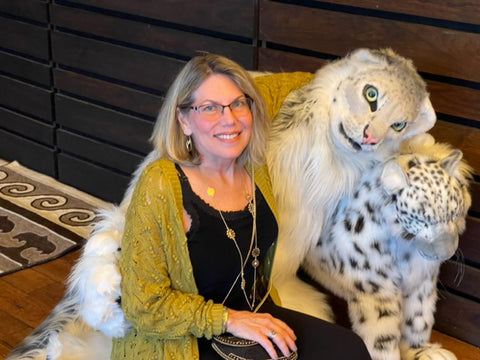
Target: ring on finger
[271, 334]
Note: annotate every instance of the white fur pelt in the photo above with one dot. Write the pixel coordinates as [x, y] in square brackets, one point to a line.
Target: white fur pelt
[324, 136]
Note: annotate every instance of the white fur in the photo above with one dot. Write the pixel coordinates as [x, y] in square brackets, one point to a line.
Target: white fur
[312, 165]
[363, 256]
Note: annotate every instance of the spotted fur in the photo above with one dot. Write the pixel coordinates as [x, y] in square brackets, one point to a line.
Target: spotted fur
[383, 249]
[355, 111]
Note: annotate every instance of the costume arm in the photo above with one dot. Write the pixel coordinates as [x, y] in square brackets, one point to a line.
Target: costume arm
[158, 290]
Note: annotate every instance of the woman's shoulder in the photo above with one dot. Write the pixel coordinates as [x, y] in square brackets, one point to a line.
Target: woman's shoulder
[158, 173]
[159, 167]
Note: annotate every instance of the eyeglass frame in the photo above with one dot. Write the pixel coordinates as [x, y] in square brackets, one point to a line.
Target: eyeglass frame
[196, 108]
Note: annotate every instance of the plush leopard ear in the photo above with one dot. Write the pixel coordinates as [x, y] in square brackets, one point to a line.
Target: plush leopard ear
[393, 177]
[452, 161]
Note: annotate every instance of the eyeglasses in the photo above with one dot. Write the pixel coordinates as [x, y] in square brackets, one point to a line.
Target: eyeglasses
[240, 106]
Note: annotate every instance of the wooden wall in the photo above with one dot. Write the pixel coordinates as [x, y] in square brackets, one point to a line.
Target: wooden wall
[82, 82]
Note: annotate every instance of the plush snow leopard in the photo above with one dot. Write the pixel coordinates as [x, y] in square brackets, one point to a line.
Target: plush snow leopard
[353, 111]
[383, 249]
[327, 133]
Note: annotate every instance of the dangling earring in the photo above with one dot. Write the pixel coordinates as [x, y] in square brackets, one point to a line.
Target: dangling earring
[189, 144]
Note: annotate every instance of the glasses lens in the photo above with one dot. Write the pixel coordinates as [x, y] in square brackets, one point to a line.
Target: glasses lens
[210, 110]
[241, 106]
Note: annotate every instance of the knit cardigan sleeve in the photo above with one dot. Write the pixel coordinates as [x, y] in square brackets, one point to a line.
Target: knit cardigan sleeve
[159, 295]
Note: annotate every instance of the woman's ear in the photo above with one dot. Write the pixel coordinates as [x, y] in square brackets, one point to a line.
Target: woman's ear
[182, 118]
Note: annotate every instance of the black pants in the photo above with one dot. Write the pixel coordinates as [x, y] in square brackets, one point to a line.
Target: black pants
[316, 339]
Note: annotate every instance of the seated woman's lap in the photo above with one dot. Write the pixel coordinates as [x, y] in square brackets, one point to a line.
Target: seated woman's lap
[316, 339]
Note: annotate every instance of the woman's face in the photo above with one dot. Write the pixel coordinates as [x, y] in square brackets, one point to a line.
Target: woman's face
[222, 137]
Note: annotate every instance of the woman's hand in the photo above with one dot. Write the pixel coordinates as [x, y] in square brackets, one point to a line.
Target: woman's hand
[262, 328]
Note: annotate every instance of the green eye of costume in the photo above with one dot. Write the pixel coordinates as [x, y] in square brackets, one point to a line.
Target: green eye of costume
[370, 93]
[399, 126]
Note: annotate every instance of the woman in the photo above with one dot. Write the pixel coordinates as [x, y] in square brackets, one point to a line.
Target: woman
[200, 231]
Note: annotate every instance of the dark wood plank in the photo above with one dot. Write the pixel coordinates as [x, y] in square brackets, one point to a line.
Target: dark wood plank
[211, 15]
[331, 32]
[27, 127]
[469, 241]
[462, 137]
[465, 103]
[475, 191]
[98, 152]
[100, 182]
[30, 154]
[283, 61]
[458, 317]
[465, 11]
[24, 38]
[137, 67]
[137, 101]
[25, 69]
[28, 9]
[104, 124]
[461, 278]
[26, 98]
[161, 38]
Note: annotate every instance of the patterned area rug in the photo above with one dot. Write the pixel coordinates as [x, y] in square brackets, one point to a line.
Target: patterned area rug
[41, 219]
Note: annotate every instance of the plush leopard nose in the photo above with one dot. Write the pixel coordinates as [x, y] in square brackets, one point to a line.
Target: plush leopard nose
[368, 137]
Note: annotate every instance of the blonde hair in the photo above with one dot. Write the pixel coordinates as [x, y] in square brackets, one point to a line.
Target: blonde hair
[168, 137]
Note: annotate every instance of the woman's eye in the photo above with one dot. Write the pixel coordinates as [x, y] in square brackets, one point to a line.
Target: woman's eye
[209, 108]
[370, 93]
[399, 126]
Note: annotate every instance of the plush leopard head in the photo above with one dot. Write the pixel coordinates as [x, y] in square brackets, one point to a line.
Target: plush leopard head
[431, 198]
[380, 99]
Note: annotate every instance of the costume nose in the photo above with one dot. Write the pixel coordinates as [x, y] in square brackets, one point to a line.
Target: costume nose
[368, 138]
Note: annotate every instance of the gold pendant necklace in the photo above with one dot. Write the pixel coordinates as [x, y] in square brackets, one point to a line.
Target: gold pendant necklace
[254, 251]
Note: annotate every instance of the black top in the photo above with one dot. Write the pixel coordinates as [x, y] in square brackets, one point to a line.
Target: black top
[214, 257]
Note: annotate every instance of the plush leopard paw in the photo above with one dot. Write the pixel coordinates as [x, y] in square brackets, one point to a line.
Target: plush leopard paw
[427, 352]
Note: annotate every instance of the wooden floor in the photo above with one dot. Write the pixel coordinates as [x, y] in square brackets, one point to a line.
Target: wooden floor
[27, 297]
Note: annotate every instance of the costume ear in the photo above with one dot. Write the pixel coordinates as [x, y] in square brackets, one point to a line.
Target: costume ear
[425, 120]
[184, 121]
[393, 177]
[451, 162]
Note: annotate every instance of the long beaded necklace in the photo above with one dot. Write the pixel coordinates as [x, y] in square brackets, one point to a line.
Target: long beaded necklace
[253, 250]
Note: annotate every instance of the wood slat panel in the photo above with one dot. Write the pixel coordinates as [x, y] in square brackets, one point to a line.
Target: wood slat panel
[230, 17]
[27, 127]
[469, 241]
[117, 62]
[282, 61]
[461, 278]
[25, 69]
[24, 38]
[161, 38]
[26, 98]
[458, 317]
[455, 100]
[106, 92]
[475, 192]
[465, 11]
[28, 153]
[462, 137]
[100, 182]
[103, 124]
[29, 9]
[98, 152]
[331, 32]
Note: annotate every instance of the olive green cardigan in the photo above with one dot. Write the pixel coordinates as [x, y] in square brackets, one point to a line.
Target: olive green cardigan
[159, 294]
